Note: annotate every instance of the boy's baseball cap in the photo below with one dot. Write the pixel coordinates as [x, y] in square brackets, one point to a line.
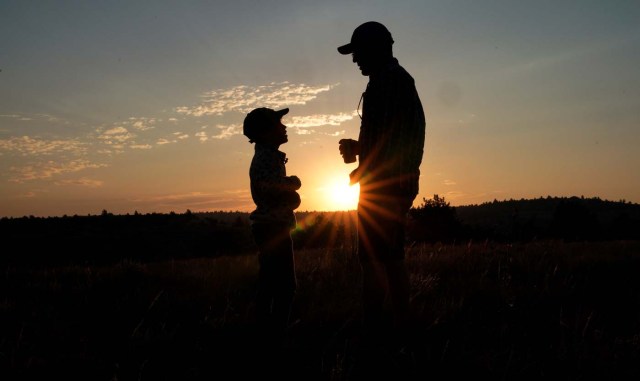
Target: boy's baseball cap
[260, 118]
[369, 34]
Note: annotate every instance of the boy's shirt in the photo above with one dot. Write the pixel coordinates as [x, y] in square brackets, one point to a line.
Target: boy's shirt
[272, 191]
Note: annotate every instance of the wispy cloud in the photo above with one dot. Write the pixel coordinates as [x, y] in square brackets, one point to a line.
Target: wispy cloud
[227, 131]
[37, 117]
[32, 193]
[141, 146]
[84, 182]
[202, 136]
[143, 124]
[116, 135]
[49, 169]
[449, 182]
[245, 98]
[320, 120]
[199, 201]
[29, 146]
[456, 195]
[163, 141]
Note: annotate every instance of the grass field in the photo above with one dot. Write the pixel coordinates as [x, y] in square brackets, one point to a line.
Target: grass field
[542, 310]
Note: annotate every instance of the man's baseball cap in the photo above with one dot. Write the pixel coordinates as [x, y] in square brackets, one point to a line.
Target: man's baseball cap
[369, 34]
[259, 119]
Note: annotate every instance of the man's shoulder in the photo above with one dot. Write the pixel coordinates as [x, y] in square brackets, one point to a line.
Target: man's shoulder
[400, 74]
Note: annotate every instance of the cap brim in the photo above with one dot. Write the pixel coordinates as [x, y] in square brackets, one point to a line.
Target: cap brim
[346, 49]
[282, 112]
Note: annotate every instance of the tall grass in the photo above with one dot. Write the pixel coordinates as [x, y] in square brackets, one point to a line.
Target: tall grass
[528, 311]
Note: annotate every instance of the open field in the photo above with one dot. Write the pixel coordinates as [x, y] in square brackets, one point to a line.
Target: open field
[541, 310]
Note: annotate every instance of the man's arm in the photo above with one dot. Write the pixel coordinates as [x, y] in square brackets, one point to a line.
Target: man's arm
[403, 125]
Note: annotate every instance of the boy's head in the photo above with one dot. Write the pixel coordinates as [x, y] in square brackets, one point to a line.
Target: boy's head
[263, 125]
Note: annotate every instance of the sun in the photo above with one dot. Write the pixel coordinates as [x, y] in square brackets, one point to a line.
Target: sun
[339, 195]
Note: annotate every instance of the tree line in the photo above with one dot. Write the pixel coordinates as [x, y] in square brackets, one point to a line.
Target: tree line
[106, 237]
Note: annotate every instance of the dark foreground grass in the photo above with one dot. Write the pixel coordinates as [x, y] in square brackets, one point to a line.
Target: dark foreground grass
[546, 310]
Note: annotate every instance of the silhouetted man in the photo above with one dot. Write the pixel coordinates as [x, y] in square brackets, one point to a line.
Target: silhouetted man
[390, 147]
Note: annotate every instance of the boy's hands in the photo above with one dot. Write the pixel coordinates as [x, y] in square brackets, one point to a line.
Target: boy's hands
[295, 182]
[291, 199]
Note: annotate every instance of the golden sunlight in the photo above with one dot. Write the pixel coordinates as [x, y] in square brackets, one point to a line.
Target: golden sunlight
[339, 195]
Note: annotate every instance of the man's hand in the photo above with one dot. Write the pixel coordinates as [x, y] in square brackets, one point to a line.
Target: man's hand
[349, 148]
[354, 176]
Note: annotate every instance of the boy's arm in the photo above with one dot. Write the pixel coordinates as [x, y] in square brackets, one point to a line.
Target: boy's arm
[269, 181]
[265, 177]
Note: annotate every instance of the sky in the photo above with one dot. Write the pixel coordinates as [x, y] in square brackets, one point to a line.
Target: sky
[138, 105]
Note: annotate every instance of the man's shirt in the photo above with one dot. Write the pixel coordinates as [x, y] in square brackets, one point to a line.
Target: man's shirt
[392, 132]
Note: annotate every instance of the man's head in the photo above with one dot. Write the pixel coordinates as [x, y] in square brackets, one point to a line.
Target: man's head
[371, 46]
[263, 125]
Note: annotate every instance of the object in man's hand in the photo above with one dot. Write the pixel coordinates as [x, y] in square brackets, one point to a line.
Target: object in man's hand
[346, 150]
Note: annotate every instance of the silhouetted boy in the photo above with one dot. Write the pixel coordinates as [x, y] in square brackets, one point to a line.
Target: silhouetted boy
[275, 196]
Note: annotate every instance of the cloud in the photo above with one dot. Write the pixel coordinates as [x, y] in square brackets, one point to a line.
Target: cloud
[202, 136]
[227, 131]
[49, 169]
[320, 120]
[245, 98]
[455, 195]
[142, 124]
[28, 146]
[165, 141]
[180, 135]
[140, 146]
[39, 117]
[449, 182]
[116, 135]
[84, 182]
[337, 133]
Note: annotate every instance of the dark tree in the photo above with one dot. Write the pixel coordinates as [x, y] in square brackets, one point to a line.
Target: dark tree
[434, 220]
[572, 220]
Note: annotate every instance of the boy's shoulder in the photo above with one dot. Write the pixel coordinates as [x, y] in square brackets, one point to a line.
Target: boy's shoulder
[268, 153]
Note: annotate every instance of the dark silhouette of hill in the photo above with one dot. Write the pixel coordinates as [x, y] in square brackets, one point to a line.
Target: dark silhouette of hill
[568, 218]
[108, 238]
